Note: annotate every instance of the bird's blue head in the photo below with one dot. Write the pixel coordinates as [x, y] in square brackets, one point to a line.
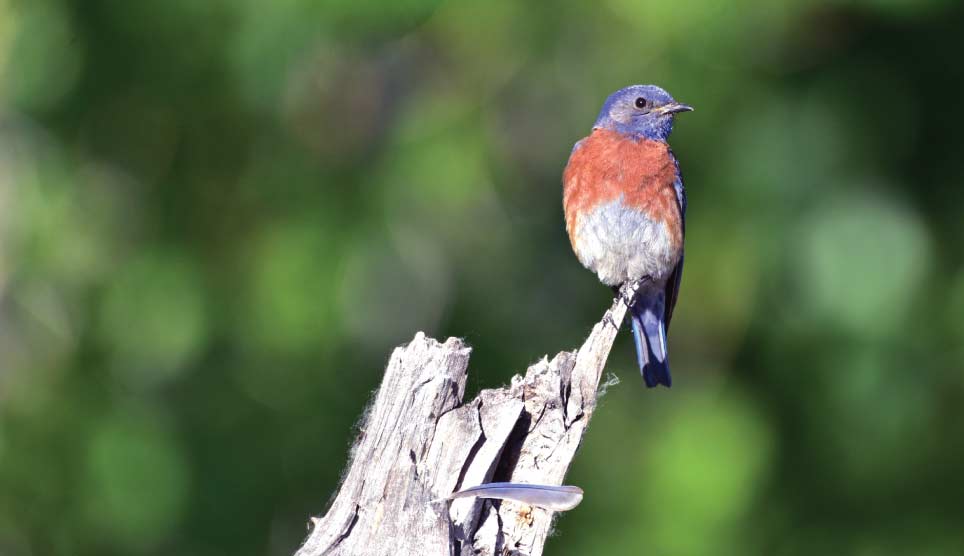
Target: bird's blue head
[641, 112]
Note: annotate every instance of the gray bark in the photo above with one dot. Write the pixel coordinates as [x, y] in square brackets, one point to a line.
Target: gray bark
[420, 442]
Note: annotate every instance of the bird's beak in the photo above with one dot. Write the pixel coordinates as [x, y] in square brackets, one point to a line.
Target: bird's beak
[673, 108]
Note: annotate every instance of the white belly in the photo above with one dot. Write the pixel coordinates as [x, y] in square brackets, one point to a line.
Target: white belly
[620, 245]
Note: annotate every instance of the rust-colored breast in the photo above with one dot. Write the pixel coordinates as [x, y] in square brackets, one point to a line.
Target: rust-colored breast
[608, 165]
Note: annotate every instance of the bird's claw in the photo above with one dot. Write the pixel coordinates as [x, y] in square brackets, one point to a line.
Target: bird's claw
[629, 292]
[628, 299]
[608, 319]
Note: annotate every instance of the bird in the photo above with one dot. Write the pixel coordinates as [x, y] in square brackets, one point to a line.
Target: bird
[625, 211]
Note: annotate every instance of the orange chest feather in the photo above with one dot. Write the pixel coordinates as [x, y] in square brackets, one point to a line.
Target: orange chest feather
[607, 166]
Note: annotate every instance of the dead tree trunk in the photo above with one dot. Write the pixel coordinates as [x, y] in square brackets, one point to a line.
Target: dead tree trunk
[420, 442]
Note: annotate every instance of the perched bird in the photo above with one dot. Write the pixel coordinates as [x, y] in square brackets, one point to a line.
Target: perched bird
[625, 206]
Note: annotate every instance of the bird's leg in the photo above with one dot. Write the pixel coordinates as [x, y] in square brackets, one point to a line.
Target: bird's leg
[623, 294]
[608, 318]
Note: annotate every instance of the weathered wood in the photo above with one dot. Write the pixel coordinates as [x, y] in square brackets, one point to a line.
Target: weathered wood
[420, 442]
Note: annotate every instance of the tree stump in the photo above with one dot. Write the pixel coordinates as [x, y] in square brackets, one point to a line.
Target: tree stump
[419, 443]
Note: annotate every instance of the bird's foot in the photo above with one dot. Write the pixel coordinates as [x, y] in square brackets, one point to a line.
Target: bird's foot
[629, 292]
[624, 294]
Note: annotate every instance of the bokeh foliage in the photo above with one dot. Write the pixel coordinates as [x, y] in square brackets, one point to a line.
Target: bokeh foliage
[217, 219]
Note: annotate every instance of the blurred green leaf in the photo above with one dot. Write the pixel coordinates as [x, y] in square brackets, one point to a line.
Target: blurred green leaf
[46, 56]
[704, 464]
[291, 268]
[861, 261]
[136, 481]
[153, 317]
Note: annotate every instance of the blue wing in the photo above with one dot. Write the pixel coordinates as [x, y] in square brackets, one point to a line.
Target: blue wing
[672, 284]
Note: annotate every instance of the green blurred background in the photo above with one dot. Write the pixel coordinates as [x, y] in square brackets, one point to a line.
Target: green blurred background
[218, 218]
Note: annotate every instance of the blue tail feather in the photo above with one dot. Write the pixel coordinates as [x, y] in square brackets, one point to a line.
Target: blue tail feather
[649, 335]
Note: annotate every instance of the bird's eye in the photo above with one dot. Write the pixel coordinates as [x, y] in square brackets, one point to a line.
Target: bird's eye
[640, 102]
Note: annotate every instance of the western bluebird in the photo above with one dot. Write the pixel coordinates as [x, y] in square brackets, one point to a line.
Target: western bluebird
[625, 207]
